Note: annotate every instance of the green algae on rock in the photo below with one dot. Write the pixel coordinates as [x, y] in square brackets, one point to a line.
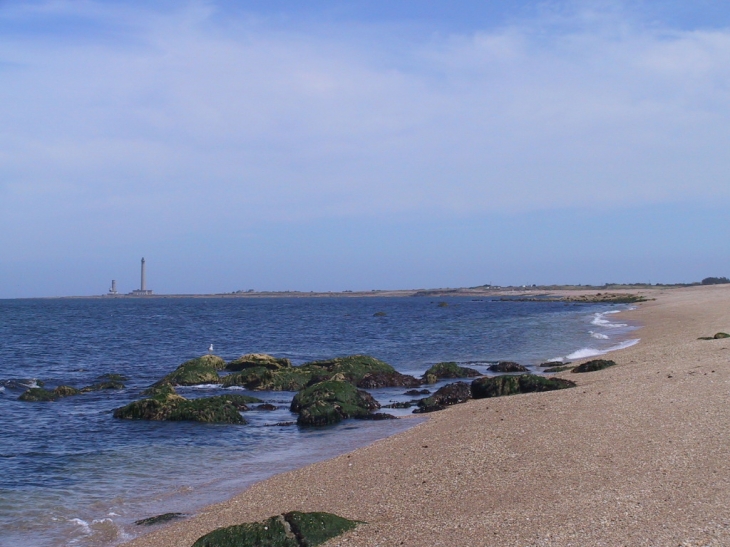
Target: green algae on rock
[159, 519]
[330, 402]
[201, 370]
[592, 366]
[717, 336]
[451, 394]
[255, 360]
[293, 529]
[506, 366]
[499, 386]
[165, 404]
[354, 368]
[448, 370]
[36, 394]
[558, 369]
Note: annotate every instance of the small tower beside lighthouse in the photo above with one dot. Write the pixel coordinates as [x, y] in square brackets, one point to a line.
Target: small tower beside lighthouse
[142, 291]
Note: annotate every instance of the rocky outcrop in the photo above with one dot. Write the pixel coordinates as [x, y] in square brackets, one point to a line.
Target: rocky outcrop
[330, 402]
[548, 364]
[387, 379]
[499, 386]
[449, 370]
[36, 394]
[592, 366]
[253, 360]
[202, 370]
[353, 369]
[558, 369]
[293, 529]
[451, 394]
[165, 404]
[506, 366]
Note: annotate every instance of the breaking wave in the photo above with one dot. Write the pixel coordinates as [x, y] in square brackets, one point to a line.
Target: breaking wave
[592, 352]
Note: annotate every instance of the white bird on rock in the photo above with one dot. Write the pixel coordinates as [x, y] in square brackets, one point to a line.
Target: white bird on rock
[210, 348]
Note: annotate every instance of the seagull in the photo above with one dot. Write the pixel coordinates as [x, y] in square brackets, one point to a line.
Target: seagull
[210, 348]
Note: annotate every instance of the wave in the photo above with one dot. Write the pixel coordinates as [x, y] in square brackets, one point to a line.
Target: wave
[592, 352]
[599, 319]
[598, 335]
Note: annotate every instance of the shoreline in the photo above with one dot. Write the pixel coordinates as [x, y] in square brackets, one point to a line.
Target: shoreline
[635, 455]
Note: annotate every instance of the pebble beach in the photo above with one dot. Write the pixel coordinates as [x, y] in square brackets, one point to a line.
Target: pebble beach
[637, 455]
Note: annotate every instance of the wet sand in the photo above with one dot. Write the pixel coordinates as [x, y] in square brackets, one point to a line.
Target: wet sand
[636, 455]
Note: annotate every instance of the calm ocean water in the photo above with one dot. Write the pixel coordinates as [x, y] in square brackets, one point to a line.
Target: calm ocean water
[70, 474]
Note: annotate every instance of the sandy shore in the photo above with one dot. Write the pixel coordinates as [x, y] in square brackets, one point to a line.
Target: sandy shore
[636, 455]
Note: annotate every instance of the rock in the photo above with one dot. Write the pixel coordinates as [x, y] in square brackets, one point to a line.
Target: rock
[379, 314]
[596, 364]
[202, 370]
[352, 368]
[293, 529]
[448, 370]
[451, 394]
[557, 369]
[101, 386]
[266, 406]
[330, 402]
[387, 379]
[166, 404]
[721, 335]
[112, 377]
[407, 404]
[167, 517]
[498, 386]
[376, 416]
[506, 366]
[554, 364]
[416, 392]
[36, 394]
[253, 360]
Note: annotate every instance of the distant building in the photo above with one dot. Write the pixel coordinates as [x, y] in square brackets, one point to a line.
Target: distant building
[113, 290]
[142, 291]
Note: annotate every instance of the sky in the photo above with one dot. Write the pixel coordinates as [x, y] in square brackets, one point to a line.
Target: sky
[381, 144]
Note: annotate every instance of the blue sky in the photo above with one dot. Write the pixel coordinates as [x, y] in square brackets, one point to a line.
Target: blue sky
[355, 145]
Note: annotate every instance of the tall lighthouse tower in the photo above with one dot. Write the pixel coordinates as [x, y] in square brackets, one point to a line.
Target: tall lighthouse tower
[142, 291]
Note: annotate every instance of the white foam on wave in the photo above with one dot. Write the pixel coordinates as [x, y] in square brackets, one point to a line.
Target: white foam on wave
[599, 319]
[598, 335]
[84, 525]
[206, 386]
[2, 388]
[592, 352]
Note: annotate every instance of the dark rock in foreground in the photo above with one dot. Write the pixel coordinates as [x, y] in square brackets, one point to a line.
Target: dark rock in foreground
[159, 519]
[387, 379]
[448, 370]
[451, 394]
[166, 404]
[293, 529]
[253, 360]
[553, 364]
[592, 366]
[330, 402]
[512, 385]
[416, 392]
[506, 366]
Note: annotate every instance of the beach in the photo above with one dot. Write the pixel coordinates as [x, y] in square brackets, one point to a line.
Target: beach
[636, 454]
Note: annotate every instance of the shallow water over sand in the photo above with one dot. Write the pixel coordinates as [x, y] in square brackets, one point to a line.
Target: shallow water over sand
[72, 475]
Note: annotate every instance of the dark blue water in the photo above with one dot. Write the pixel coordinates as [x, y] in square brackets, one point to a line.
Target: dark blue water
[70, 474]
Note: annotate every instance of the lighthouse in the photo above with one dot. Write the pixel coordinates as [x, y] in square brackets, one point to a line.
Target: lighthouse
[142, 291]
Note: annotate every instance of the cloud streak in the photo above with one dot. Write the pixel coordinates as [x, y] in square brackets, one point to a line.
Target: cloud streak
[173, 121]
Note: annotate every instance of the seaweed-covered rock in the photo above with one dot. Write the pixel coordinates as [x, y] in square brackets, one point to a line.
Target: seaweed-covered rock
[416, 392]
[717, 336]
[506, 366]
[352, 368]
[448, 370]
[592, 366]
[557, 369]
[377, 380]
[102, 386]
[159, 519]
[165, 404]
[36, 394]
[451, 394]
[112, 377]
[548, 364]
[330, 402]
[293, 529]
[498, 386]
[254, 360]
[201, 370]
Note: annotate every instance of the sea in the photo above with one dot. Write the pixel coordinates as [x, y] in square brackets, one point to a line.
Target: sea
[72, 475]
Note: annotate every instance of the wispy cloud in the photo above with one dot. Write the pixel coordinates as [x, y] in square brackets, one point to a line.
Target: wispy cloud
[182, 119]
